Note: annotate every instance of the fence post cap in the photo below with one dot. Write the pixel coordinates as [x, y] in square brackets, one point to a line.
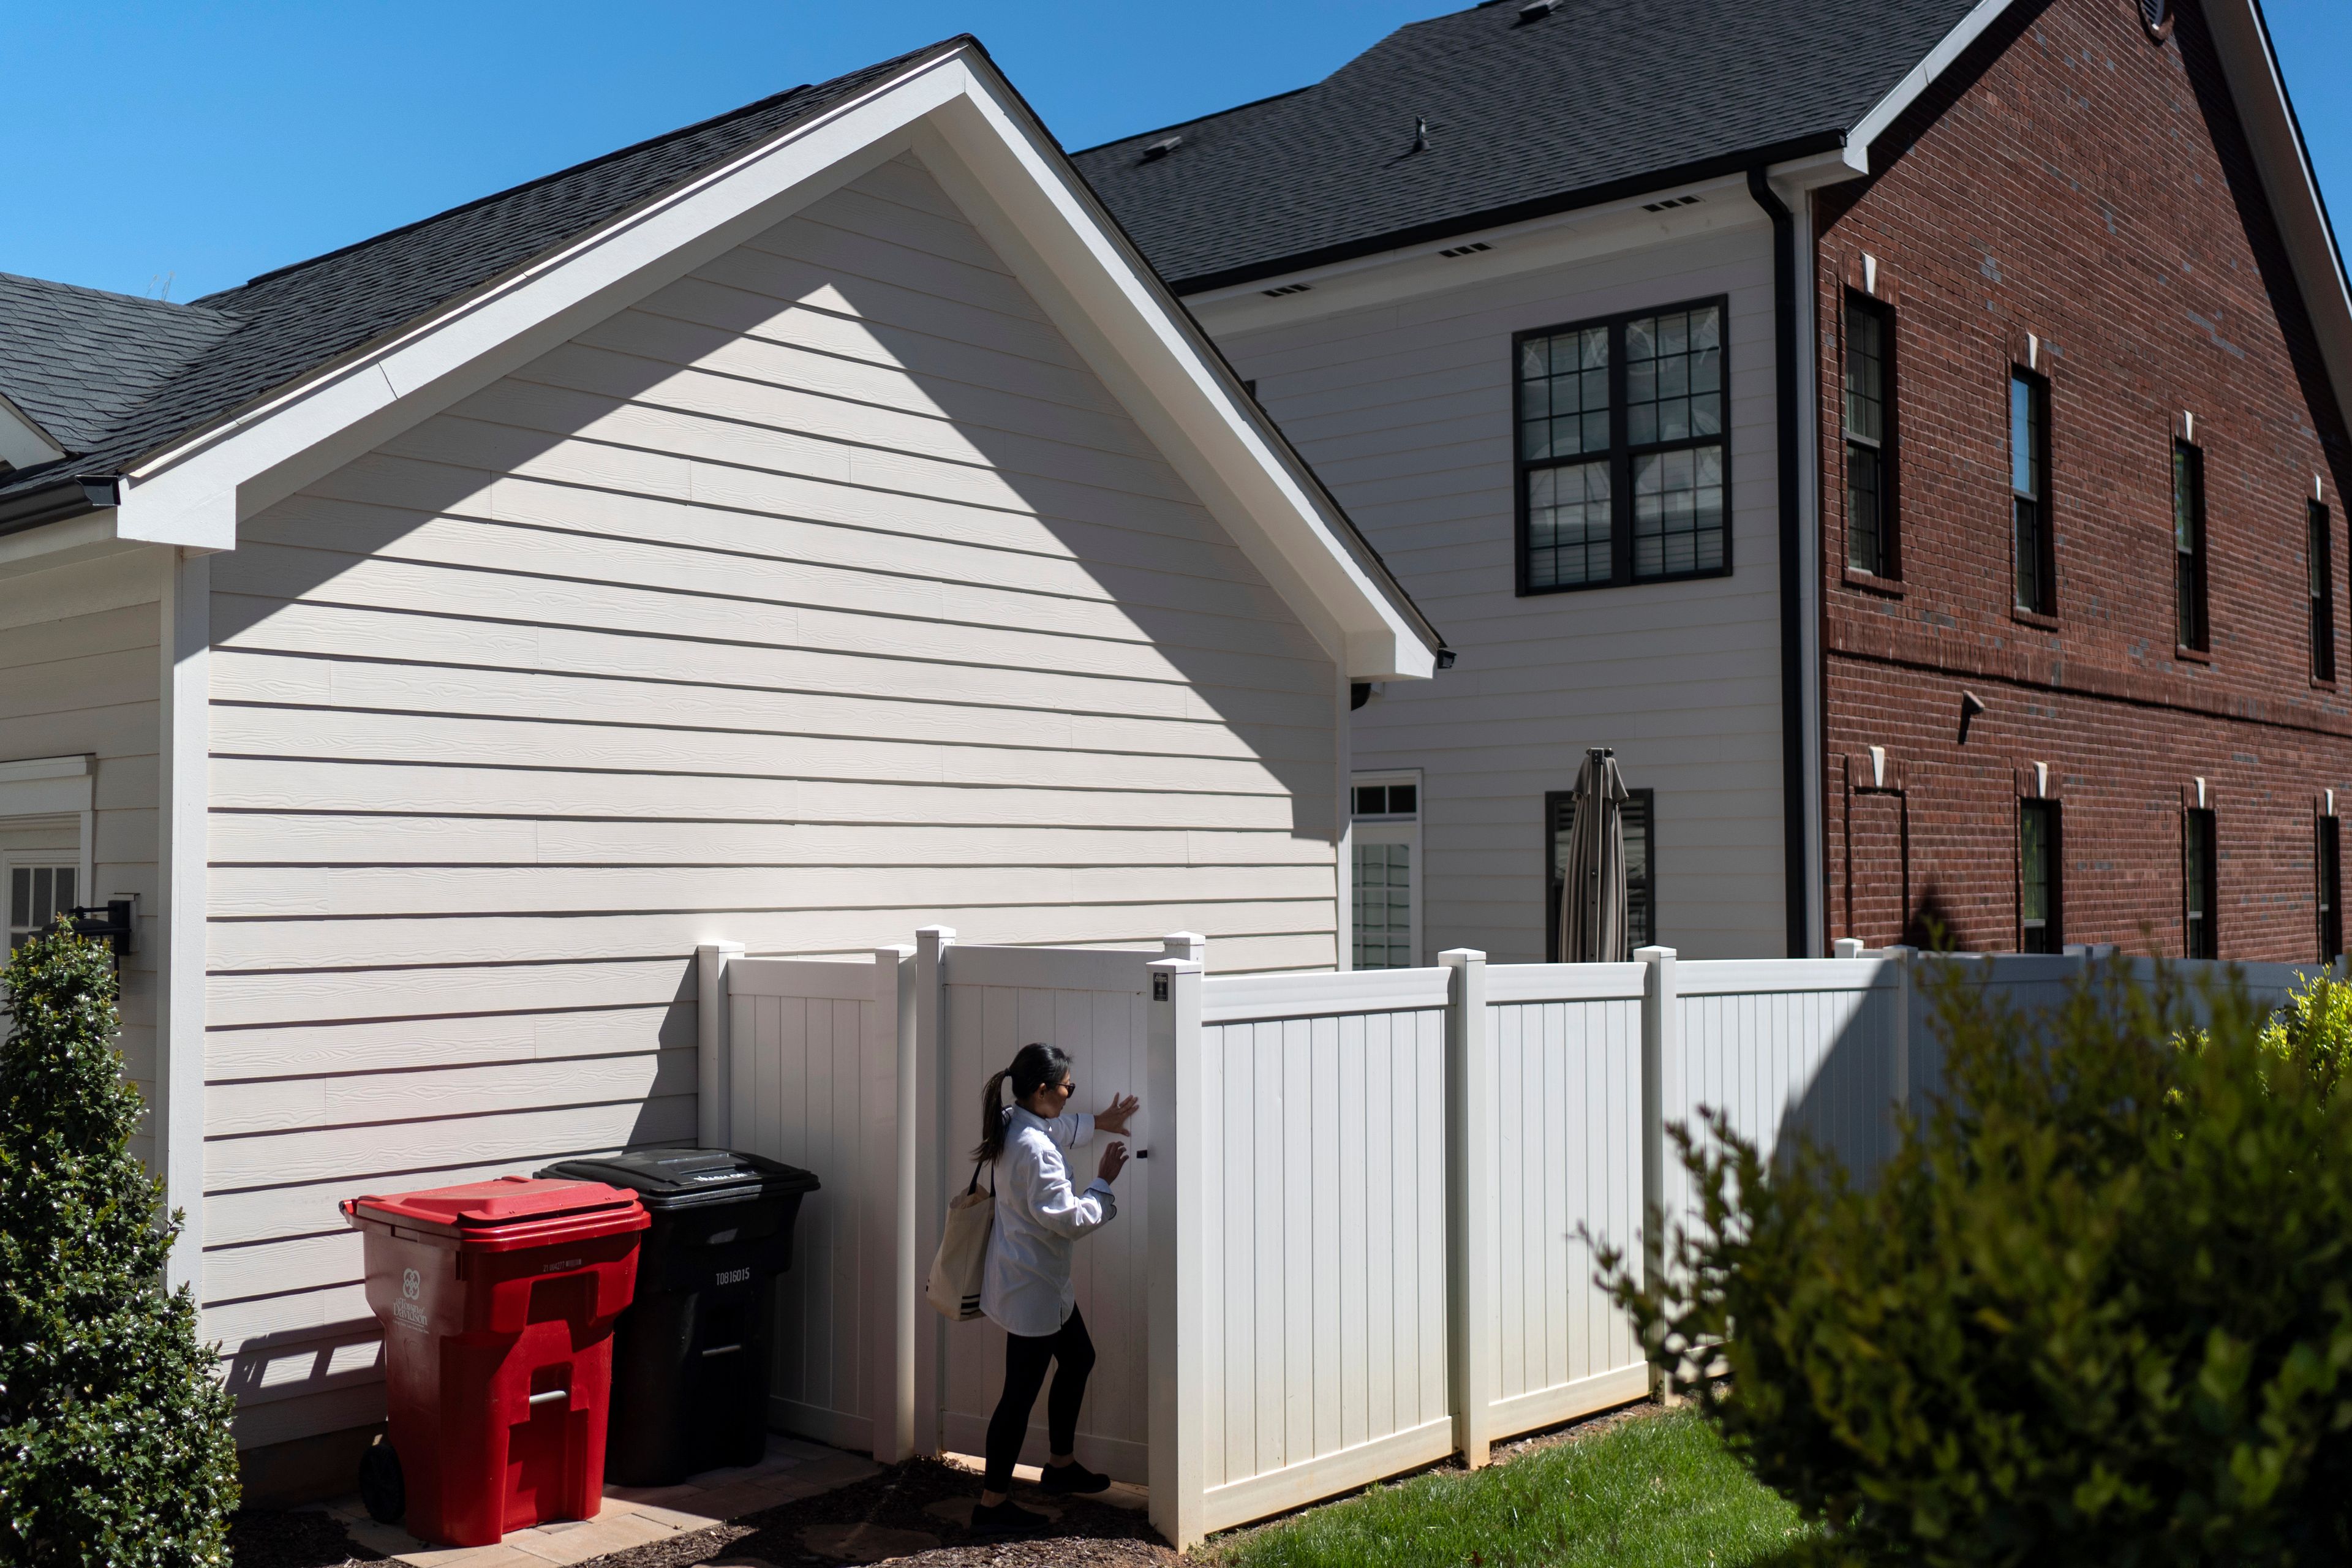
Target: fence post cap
[1652, 954]
[1453, 957]
[1176, 965]
[729, 948]
[1848, 947]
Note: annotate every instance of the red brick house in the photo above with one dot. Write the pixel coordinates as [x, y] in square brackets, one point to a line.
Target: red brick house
[2017, 607]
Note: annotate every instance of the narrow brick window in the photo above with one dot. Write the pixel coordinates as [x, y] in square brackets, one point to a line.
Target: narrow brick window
[2331, 890]
[1639, 813]
[2319, 555]
[2036, 567]
[2200, 867]
[2189, 547]
[1869, 438]
[2039, 882]
[1624, 469]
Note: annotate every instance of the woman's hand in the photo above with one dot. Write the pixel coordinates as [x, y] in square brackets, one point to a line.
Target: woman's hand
[1112, 1118]
[1114, 1160]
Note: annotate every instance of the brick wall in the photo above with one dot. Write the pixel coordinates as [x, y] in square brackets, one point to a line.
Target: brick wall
[2083, 196]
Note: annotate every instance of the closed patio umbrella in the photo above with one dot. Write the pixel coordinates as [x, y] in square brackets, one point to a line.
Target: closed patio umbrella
[1595, 922]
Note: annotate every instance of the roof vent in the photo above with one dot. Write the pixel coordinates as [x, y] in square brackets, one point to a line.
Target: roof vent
[1472, 248]
[1153, 150]
[1286, 289]
[1536, 10]
[1671, 202]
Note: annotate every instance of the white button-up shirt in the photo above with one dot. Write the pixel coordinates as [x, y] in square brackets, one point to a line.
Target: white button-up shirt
[1025, 1287]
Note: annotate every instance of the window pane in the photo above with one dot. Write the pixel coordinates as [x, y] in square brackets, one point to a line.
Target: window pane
[2037, 889]
[2024, 439]
[2030, 587]
[1678, 512]
[1383, 906]
[1866, 377]
[1567, 525]
[44, 884]
[1864, 531]
[1674, 377]
[66, 899]
[1404, 799]
[2184, 502]
[1564, 395]
[1371, 800]
[20, 896]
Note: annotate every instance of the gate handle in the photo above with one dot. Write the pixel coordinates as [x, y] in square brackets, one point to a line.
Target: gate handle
[722, 1350]
[539, 1399]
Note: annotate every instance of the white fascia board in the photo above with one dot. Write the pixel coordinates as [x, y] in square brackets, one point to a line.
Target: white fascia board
[1918, 79]
[1018, 192]
[196, 493]
[23, 443]
[1416, 271]
[2251, 67]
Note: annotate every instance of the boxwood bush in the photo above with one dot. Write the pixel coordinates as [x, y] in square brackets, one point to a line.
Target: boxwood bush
[114, 1436]
[2096, 1310]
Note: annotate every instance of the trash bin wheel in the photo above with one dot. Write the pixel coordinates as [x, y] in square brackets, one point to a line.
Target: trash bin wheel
[380, 1486]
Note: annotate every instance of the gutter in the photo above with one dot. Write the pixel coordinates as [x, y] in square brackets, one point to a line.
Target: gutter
[1794, 731]
[57, 500]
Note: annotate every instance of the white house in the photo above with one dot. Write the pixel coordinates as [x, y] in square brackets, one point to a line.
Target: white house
[806, 525]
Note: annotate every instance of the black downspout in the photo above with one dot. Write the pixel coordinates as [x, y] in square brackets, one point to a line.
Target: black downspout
[1796, 831]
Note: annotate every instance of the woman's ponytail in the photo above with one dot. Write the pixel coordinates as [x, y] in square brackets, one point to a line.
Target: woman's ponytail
[1034, 1066]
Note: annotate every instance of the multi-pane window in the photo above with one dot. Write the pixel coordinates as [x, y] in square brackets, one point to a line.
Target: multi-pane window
[2039, 891]
[1387, 840]
[1637, 816]
[2331, 890]
[1621, 451]
[2189, 546]
[2322, 575]
[2036, 563]
[1869, 439]
[37, 895]
[2200, 874]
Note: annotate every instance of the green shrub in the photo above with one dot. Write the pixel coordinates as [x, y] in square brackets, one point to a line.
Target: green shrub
[2096, 1310]
[114, 1438]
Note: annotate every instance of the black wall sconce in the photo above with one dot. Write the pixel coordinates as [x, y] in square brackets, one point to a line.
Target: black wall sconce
[114, 922]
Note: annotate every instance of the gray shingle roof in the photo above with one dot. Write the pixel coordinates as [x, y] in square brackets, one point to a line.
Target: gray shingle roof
[1525, 117]
[133, 375]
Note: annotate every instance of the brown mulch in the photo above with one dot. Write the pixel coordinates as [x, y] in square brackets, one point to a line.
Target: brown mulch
[302, 1538]
[1089, 1534]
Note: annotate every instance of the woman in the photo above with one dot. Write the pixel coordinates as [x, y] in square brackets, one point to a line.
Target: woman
[1025, 1284]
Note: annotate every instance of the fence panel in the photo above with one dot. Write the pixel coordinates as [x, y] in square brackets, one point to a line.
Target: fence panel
[1564, 1105]
[1321, 1181]
[994, 1000]
[813, 1074]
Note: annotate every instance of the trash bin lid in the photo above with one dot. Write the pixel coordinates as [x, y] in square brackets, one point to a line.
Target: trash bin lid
[681, 1178]
[478, 1208]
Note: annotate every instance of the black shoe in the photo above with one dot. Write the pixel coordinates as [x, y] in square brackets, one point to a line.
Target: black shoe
[1007, 1517]
[1063, 1480]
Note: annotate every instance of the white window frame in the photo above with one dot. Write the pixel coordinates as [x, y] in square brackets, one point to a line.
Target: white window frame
[1391, 828]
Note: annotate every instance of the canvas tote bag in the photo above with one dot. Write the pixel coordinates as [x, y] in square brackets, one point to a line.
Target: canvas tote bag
[954, 1289]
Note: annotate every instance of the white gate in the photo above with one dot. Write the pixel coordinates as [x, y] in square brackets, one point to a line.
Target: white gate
[990, 1001]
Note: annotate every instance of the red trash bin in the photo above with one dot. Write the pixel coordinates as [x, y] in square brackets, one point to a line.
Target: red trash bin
[498, 1300]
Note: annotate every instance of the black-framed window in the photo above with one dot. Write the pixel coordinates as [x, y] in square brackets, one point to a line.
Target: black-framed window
[2035, 545]
[2041, 879]
[2190, 626]
[2331, 890]
[1870, 541]
[1622, 459]
[2201, 878]
[1640, 819]
[2320, 557]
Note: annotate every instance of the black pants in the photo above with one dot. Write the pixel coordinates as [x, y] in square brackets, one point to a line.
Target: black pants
[1025, 1373]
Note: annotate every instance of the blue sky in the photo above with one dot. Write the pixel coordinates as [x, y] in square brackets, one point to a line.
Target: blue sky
[192, 145]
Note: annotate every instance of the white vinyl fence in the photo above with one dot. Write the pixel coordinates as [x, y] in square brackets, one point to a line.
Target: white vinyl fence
[1352, 1241]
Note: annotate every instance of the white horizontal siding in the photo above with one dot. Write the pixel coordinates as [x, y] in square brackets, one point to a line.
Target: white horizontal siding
[824, 594]
[1406, 409]
[80, 674]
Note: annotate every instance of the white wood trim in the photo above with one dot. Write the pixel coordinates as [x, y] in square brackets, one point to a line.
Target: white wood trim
[1566, 1401]
[1049, 968]
[1922, 76]
[1564, 982]
[896, 1251]
[714, 1047]
[835, 979]
[1244, 998]
[1294, 1486]
[1471, 1183]
[1176, 1231]
[182, 822]
[1735, 976]
[49, 786]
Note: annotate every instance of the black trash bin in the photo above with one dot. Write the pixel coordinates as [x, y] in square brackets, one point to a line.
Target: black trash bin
[691, 1355]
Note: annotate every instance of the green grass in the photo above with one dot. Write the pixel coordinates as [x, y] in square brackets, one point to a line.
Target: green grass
[1649, 1493]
